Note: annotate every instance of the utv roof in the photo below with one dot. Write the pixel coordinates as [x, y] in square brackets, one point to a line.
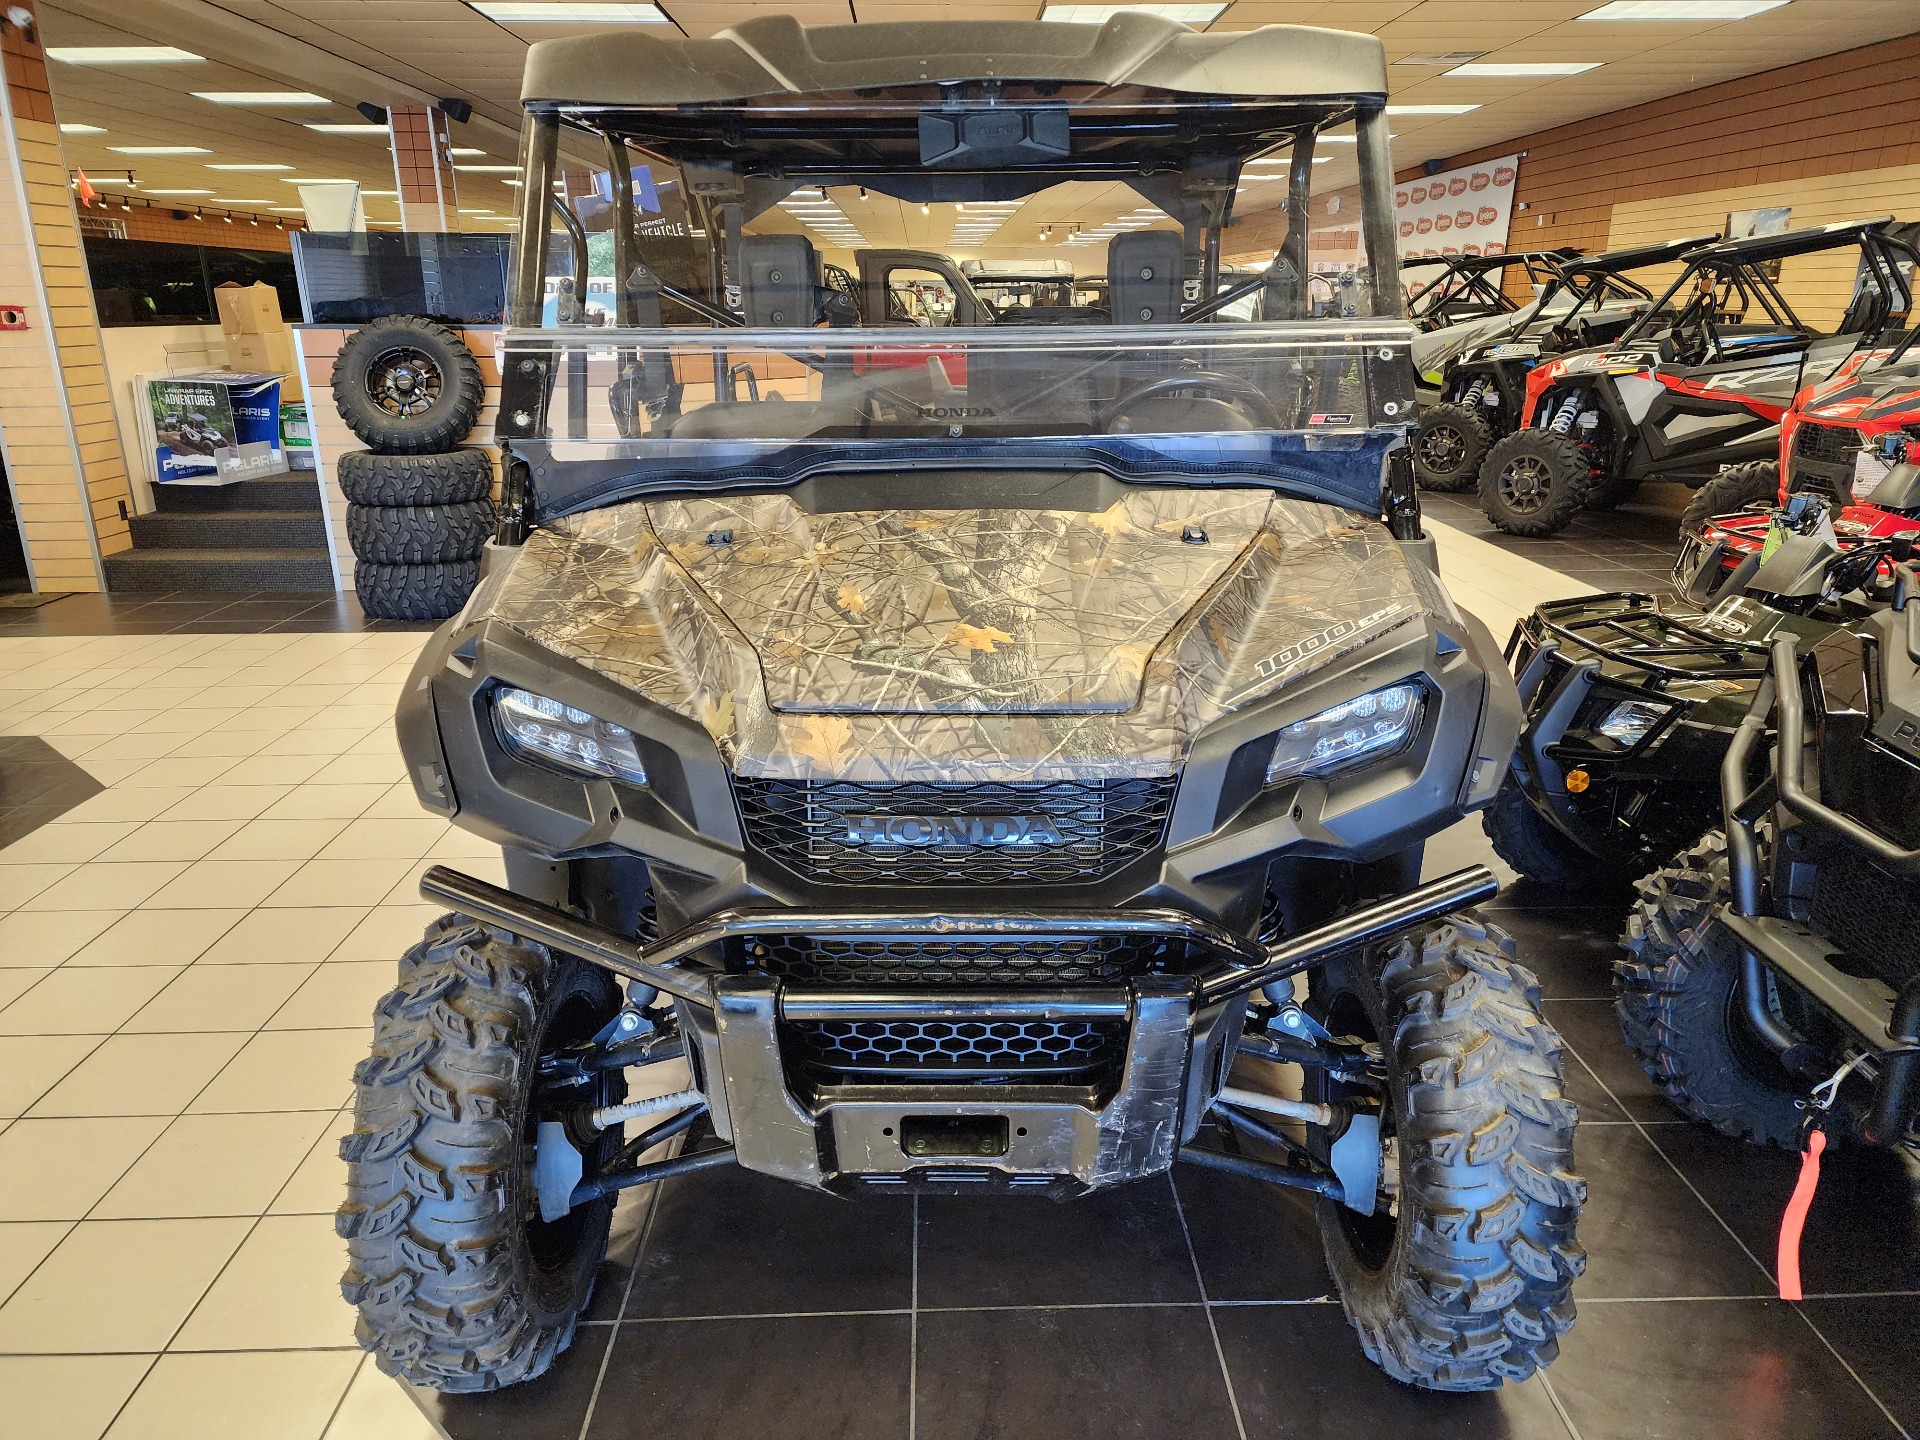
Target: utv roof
[1635, 257]
[1791, 242]
[1472, 264]
[774, 56]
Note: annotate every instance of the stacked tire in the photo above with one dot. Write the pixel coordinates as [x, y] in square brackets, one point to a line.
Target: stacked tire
[419, 503]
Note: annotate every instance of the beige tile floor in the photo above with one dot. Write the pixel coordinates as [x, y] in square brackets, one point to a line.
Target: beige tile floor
[187, 964]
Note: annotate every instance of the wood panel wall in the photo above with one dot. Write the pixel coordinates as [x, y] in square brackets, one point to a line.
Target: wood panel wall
[157, 224]
[56, 412]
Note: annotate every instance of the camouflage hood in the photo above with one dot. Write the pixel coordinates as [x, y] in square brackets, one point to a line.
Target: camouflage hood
[978, 644]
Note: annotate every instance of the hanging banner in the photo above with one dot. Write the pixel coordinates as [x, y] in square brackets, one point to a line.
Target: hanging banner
[1457, 212]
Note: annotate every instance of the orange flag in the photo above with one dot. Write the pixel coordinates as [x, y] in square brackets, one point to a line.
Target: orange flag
[85, 189]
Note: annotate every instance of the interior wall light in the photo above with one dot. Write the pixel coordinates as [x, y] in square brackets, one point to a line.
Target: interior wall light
[228, 217]
[926, 209]
[198, 213]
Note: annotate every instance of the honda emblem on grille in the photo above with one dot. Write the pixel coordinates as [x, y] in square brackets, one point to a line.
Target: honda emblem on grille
[970, 830]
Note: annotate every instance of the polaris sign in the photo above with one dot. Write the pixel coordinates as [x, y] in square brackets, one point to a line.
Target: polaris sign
[971, 831]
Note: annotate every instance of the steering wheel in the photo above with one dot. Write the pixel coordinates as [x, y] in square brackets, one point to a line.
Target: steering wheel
[1223, 387]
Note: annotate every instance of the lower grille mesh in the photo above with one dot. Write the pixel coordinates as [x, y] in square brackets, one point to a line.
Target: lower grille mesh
[1870, 914]
[1105, 960]
[953, 1049]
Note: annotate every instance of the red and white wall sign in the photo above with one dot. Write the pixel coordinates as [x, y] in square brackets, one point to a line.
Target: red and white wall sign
[1457, 212]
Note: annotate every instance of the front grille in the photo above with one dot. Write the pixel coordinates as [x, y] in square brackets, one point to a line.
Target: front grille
[911, 833]
[930, 1050]
[1873, 916]
[1095, 960]
[1826, 444]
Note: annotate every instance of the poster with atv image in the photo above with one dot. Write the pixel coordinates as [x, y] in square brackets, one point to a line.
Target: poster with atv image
[214, 428]
[1457, 212]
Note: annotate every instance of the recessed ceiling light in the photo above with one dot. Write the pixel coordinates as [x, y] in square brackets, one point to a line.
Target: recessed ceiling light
[179, 192]
[119, 54]
[316, 180]
[381, 194]
[159, 150]
[83, 129]
[465, 152]
[1522, 69]
[345, 128]
[289, 209]
[248, 165]
[1430, 109]
[489, 169]
[569, 12]
[1681, 9]
[1099, 14]
[260, 97]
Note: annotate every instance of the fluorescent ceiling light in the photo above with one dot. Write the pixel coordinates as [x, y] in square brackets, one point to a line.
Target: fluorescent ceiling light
[1430, 109]
[316, 180]
[119, 54]
[260, 97]
[569, 12]
[488, 169]
[254, 201]
[1099, 14]
[289, 209]
[465, 152]
[83, 129]
[1681, 9]
[179, 192]
[1518, 69]
[330, 128]
[381, 194]
[249, 165]
[159, 150]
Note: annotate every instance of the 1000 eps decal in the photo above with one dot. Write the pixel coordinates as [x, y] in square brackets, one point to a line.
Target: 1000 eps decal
[1281, 661]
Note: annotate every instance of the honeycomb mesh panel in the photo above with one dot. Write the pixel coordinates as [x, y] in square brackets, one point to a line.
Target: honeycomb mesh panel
[932, 1049]
[1826, 444]
[1872, 915]
[911, 833]
[1100, 960]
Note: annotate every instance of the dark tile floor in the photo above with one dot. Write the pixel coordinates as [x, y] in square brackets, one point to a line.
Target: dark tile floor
[199, 612]
[1626, 549]
[1198, 1305]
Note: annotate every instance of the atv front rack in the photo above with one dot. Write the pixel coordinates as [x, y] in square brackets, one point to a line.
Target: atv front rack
[1180, 1034]
[1650, 639]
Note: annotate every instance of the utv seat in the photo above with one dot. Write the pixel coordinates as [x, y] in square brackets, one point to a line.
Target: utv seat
[765, 420]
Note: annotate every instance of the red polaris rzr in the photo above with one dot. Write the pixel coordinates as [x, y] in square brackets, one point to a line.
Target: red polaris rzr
[1855, 438]
[1701, 382]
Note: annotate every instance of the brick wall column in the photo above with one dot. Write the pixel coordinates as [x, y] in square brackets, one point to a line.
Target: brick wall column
[423, 167]
[57, 427]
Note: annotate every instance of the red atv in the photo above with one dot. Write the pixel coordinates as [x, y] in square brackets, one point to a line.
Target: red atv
[1854, 439]
[1700, 382]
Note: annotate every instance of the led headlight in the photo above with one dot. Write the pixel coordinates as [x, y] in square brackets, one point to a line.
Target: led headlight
[1631, 721]
[538, 728]
[1372, 727]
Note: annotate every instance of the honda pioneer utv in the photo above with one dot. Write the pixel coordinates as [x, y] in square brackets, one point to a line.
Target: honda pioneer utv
[1699, 382]
[961, 782]
[1631, 700]
[1481, 376]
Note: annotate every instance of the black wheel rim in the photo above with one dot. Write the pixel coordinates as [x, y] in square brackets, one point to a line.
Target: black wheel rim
[1525, 484]
[1371, 1236]
[552, 1244]
[1442, 449]
[404, 381]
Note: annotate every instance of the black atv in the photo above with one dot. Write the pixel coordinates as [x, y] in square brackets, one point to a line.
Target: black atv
[1481, 382]
[1699, 382]
[1771, 981]
[971, 783]
[1632, 699]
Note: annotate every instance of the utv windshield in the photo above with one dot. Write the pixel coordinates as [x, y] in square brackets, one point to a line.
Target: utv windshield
[851, 205]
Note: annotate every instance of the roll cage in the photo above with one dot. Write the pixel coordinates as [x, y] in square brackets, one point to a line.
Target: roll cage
[1467, 287]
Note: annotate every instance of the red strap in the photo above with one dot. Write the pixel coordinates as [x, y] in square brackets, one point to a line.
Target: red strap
[1795, 1219]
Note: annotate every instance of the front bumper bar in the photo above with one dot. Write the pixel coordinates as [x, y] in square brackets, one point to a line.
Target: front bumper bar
[1047, 1135]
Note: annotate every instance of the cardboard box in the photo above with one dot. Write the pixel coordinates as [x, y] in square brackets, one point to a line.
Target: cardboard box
[271, 352]
[248, 309]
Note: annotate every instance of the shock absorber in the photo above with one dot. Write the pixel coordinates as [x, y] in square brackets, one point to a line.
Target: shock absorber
[1474, 391]
[1564, 417]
